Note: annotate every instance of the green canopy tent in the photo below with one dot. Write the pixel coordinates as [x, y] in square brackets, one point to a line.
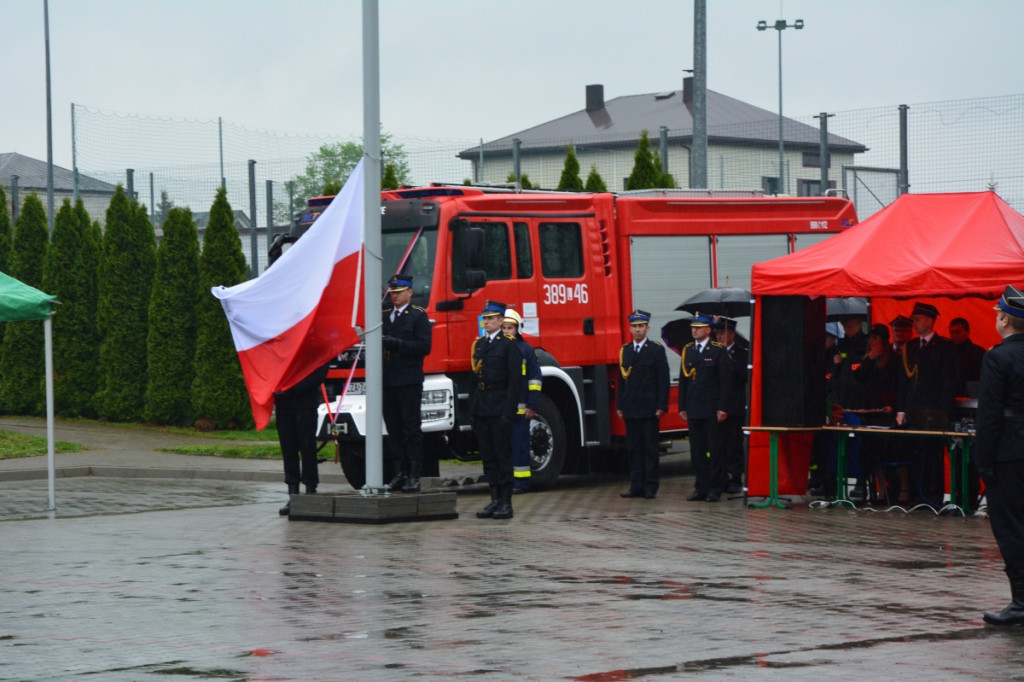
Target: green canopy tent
[20, 302]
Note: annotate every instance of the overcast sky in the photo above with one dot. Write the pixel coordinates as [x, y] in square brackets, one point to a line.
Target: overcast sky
[470, 69]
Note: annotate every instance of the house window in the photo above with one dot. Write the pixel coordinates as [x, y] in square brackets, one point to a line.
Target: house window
[769, 184]
[813, 160]
[811, 188]
[561, 250]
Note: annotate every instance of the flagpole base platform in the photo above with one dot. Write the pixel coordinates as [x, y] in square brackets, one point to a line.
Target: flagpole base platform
[355, 507]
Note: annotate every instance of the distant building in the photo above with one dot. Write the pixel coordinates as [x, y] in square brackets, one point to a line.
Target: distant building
[742, 149]
[32, 177]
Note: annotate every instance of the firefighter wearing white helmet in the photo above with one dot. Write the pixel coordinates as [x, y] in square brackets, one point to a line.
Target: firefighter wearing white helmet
[529, 397]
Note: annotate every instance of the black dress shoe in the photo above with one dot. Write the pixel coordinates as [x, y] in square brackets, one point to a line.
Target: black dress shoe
[650, 496]
[712, 497]
[734, 488]
[630, 493]
[696, 497]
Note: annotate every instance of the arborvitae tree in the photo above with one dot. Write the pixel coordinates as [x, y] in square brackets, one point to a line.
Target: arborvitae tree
[390, 179]
[645, 173]
[69, 273]
[5, 243]
[21, 357]
[524, 180]
[570, 180]
[162, 208]
[172, 322]
[125, 283]
[5, 234]
[219, 396]
[595, 183]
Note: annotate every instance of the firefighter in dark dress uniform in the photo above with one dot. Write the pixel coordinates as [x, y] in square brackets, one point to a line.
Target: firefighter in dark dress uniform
[705, 386]
[732, 447]
[999, 447]
[926, 393]
[296, 415]
[640, 401]
[406, 341]
[493, 403]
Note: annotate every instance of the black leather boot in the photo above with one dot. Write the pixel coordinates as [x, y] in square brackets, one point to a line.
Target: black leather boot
[401, 473]
[412, 484]
[504, 508]
[488, 511]
[1013, 614]
[311, 489]
[293, 489]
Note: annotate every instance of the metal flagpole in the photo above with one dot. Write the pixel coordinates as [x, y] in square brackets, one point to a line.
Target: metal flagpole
[371, 227]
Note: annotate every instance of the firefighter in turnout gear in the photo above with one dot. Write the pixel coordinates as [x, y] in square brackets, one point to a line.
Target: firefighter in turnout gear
[493, 401]
[529, 398]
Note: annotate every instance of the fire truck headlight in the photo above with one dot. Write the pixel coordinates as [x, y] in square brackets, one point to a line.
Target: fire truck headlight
[436, 405]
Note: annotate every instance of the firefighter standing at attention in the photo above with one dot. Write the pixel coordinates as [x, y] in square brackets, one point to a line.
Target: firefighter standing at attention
[406, 341]
[493, 399]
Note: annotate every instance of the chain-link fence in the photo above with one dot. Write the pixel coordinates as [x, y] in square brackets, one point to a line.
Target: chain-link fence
[952, 146]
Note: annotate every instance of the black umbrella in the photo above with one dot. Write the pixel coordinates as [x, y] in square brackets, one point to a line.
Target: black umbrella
[728, 301]
[676, 334]
[838, 308]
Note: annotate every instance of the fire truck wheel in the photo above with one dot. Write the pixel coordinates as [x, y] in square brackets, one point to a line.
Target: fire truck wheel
[353, 465]
[547, 444]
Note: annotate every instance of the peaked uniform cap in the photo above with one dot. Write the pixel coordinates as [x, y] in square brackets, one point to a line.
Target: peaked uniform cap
[1011, 302]
[639, 317]
[493, 308]
[400, 283]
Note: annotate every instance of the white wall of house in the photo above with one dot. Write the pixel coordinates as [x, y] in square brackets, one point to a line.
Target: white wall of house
[729, 166]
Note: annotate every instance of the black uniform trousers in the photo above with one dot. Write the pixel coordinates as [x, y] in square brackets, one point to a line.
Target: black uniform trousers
[401, 411]
[494, 436]
[928, 471]
[296, 431]
[642, 443]
[706, 436]
[1006, 514]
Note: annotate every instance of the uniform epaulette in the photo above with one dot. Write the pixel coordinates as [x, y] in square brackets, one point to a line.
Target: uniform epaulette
[654, 342]
[510, 338]
[418, 308]
[720, 345]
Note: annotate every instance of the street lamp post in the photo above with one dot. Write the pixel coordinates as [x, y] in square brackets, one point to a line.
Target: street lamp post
[779, 26]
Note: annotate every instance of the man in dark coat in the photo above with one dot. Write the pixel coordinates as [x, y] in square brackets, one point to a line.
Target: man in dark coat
[968, 354]
[999, 447]
[493, 403]
[732, 428]
[641, 399]
[296, 413]
[926, 394]
[406, 341]
[705, 388]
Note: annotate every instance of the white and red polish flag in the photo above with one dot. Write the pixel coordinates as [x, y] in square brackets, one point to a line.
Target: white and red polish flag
[302, 311]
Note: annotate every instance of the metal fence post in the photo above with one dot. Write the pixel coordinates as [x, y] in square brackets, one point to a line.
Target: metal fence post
[254, 263]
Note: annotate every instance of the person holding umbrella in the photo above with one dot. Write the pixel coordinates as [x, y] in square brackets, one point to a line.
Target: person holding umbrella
[732, 429]
[705, 386]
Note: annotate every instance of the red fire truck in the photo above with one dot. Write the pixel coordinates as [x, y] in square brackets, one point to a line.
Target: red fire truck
[573, 265]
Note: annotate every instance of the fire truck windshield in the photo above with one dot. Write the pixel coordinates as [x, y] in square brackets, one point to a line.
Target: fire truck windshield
[411, 251]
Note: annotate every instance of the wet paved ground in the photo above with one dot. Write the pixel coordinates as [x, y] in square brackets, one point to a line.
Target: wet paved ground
[186, 579]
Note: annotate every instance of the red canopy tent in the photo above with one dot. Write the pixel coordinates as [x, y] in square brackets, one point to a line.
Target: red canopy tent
[957, 250]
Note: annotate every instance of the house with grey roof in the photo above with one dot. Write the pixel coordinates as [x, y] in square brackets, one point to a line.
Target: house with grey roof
[742, 144]
[31, 177]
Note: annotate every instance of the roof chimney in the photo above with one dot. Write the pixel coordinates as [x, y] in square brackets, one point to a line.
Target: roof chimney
[688, 90]
[595, 97]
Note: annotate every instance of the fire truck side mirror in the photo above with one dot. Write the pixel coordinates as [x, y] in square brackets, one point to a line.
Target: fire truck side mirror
[474, 248]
